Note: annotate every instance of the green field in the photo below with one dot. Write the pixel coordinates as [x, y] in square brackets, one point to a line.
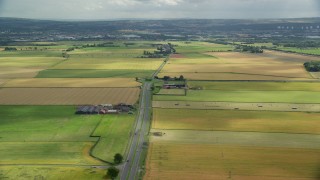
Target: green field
[114, 132]
[52, 172]
[110, 63]
[55, 135]
[227, 120]
[312, 51]
[249, 139]
[193, 49]
[245, 96]
[93, 73]
[256, 86]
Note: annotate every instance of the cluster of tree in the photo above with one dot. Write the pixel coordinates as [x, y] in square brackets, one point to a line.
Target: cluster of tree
[251, 49]
[113, 172]
[162, 51]
[306, 44]
[65, 55]
[168, 78]
[313, 66]
[10, 49]
[106, 44]
[129, 44]
[218, 41]
[70, 49]
[155, 54]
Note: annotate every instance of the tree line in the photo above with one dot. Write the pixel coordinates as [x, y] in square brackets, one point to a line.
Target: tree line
[313, 66]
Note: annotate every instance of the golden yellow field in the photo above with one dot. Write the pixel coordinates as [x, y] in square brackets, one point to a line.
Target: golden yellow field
[227, 76]
[73, 82]
[228, 120]
[12, 72]
[68, 96]
[102, 63]
[237, 106]
[175, 92]
[199, 161]
[25, 67]
[316, 75]
[2, 81]
[239, 66]
[271, 70]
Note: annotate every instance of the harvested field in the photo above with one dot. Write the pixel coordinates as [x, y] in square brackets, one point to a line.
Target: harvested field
[256, 86]
[239, 66]
[289, 107]
[177, 56]
[25, 67]
[174, 92]
[68, 96]
[226, 120]
[307, 97]
[2, 82]
[73, 82]
[101, 63]
[229, 76]
[93, 73]
[254, 139]
[266, 57]
[315, 75]
[28, 62]
[198, 161]
[273, 70]
[9, 73]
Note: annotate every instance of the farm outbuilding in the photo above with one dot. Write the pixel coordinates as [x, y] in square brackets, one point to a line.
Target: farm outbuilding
[104, 109]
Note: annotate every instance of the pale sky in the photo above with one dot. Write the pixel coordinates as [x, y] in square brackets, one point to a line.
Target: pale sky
[158, 9]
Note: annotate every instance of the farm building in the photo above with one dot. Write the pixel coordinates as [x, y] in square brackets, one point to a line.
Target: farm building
[173, 86]
[104, 109]
[124, 107]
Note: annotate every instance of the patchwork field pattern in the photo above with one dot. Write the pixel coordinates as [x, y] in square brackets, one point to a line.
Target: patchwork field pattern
[25, 67]
[236, 130]
[52, 142]
[68, 96]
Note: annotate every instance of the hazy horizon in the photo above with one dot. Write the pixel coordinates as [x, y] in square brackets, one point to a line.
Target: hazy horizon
[158, 9]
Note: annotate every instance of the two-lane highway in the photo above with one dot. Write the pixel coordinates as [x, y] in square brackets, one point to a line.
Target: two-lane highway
[130, 170]
[131, 167]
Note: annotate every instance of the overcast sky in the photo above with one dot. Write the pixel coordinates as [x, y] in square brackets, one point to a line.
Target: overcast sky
[159, 9]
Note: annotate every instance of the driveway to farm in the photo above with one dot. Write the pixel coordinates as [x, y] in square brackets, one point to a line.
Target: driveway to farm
[130, 169]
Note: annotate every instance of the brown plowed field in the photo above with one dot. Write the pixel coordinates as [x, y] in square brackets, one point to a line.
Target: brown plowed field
[68, 96]
[73, 82]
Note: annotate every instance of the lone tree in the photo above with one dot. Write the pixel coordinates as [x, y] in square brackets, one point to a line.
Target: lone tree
[113, 172]
[118, 158]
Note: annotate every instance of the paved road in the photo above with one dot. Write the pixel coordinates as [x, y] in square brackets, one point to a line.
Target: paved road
[130, 170]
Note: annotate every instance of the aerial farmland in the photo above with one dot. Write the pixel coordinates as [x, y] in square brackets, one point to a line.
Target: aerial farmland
[203, 110]
[243, 116]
